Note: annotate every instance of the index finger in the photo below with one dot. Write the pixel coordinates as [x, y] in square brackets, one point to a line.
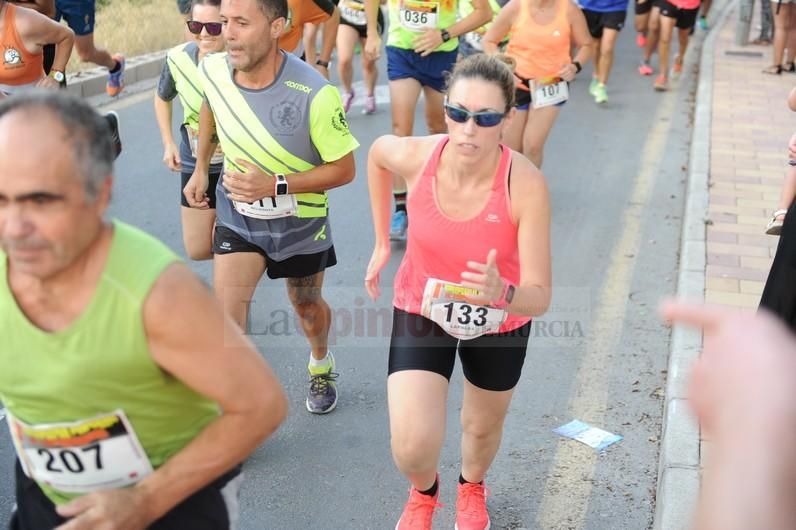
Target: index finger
[698, 316]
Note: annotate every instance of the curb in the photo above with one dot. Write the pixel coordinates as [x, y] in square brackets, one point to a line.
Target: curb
[679, 464]
[89, 83]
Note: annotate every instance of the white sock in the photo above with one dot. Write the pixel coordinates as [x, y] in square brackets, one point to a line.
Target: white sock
[320, 363]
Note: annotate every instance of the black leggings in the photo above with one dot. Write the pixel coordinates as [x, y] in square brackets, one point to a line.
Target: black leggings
[491, 362]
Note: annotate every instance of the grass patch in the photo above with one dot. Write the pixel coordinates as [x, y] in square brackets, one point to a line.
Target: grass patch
[134, 27]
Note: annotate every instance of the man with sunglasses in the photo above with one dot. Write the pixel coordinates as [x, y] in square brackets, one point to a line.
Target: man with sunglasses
[286, 142]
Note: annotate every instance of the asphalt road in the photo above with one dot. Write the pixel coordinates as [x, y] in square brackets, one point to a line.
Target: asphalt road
[616, 175]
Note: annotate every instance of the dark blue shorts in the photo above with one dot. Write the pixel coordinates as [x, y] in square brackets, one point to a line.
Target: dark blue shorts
[522, 98]
[429, 71]
[79, 14]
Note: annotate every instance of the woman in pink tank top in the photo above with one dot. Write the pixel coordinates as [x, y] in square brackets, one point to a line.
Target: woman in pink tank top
[476, 270]
[542, 34]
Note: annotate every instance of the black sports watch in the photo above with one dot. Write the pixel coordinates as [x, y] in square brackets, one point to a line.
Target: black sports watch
[321, 62]
[445, 35]
[578, 67]
[280, 184]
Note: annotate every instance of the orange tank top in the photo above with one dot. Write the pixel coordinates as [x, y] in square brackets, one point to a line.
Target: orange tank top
[540, 50]
[19, 66]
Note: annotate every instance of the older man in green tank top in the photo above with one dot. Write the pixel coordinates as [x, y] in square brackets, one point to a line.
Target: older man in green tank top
[131, 398]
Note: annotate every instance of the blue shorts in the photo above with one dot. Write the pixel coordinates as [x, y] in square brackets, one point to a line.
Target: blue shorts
[429, 71]
[79, 14]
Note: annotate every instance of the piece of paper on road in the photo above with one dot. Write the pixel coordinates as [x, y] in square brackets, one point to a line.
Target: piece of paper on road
[592, 436]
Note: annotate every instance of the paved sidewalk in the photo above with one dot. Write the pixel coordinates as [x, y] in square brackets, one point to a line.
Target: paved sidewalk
[751, 126]
[737, 164]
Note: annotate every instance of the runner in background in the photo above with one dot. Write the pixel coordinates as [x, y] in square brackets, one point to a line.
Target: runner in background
[470, 43]
[422, 47]
[680, 14]
[25, 32]
[303, 12]
[605, 19]
[653, 34]
[80, 16]
[352, 31]
[542, 35]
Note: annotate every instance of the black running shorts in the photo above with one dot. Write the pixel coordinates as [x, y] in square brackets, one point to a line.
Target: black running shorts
[210, 508]
[598, 21]
[644, 6]
[226, 241]
[491, 362]
[686, 18]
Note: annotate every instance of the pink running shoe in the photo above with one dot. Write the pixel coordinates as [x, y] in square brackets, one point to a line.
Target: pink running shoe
[418, 512]
[645, 69]
[641, 40]
[471, 513]
[348, 98]
[370, 105]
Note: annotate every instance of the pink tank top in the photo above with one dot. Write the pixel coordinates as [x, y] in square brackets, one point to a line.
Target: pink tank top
[440, 247]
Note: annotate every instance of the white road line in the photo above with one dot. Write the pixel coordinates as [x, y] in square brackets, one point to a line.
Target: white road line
[2, 414]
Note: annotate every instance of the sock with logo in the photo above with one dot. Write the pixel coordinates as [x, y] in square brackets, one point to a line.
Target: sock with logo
[400, 201]
[116, 68]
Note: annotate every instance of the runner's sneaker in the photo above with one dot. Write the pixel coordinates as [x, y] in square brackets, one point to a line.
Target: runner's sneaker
[600, 94]
[645, 68]
[661, 84]
[471, 513]
[113, 122]
[703, 23]
[348, 98]
[593, 85]
[419, 511]
[677, 67]
[398, 226]
[116, 79]
[641, 40]
[322, 397]
[370, 105]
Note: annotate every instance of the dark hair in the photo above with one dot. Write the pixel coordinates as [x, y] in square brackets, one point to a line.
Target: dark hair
[213, 3]
[274, 9]
[88, 133]
[497, 69]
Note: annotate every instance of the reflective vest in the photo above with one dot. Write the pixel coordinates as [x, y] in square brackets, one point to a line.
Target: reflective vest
[188, 83]
[243, 136]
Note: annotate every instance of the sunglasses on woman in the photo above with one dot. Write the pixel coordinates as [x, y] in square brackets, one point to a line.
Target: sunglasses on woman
[482, 118]
[213, 28]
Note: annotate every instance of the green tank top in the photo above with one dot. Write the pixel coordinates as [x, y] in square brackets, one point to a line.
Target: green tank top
[99, 364]
[410, 18]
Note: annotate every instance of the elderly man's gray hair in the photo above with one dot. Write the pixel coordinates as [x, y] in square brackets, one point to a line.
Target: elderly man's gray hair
[86, 130]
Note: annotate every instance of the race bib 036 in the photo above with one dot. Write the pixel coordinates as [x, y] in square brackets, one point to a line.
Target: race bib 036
[419, 16]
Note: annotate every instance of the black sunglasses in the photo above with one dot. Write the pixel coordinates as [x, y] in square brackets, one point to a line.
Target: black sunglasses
[482, 118]
[213, 28]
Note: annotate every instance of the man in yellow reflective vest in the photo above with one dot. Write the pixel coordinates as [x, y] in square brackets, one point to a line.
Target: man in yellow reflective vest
[286, 141]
